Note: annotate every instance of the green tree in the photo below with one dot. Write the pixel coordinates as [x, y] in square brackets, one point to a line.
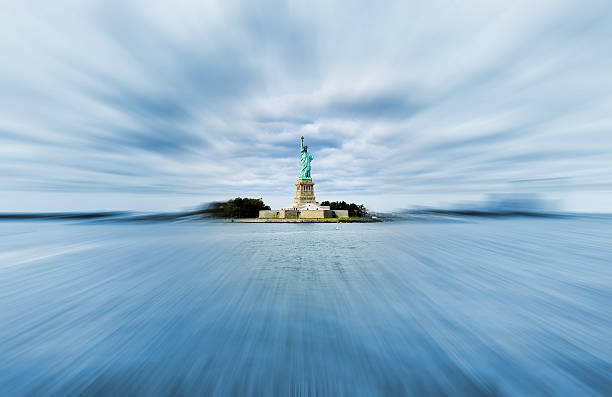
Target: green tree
[236, 208]
[358, 210]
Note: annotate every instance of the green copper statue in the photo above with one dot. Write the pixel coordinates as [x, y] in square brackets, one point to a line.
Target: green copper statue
[305, 159]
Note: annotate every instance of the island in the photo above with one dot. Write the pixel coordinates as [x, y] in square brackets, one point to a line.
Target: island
[305, 208]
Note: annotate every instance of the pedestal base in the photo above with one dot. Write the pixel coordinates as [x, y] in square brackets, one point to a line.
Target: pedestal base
[304, 192]
[304, 207]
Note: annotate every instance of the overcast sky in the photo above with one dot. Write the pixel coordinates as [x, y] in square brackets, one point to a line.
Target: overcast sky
[164, 105]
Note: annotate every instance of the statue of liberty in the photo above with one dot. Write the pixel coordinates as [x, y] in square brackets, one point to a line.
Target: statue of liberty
[305, 159]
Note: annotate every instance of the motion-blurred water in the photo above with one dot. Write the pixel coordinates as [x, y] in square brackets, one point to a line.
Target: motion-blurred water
[477, 306]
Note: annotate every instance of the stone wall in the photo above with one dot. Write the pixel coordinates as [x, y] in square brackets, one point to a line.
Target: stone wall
[316, 214]
[341, 213]
[310, 214]
[291, 214]
[329, 214]
[269, 214]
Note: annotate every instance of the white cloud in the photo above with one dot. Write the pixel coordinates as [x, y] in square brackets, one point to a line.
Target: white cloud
[207, 100]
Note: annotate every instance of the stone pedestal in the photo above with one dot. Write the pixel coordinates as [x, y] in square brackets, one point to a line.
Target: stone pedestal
[304, 207]
[304, 192]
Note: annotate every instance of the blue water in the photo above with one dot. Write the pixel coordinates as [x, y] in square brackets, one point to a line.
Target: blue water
[479, 306]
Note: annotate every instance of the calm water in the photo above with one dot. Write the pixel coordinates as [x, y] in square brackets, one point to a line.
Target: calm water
[480, 306]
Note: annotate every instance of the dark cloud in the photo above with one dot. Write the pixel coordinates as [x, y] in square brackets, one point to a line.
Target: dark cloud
[147, 106]
[284, 121]
[169, 140]
[394, 105]
[473, 142]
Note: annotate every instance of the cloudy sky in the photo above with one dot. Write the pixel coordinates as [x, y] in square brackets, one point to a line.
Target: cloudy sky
[164, 105]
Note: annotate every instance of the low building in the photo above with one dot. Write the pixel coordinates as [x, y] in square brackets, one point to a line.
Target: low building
[310, 210]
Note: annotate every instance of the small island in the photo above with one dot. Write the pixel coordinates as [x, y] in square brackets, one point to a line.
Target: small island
[305, 208]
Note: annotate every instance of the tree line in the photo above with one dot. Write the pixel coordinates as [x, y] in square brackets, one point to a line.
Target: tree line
[355, 210]
[235, 208]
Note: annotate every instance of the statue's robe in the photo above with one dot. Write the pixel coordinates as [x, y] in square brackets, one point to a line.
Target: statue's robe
[305, 159]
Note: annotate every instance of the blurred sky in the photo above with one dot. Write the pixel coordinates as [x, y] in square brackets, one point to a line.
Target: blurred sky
[108, 105]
